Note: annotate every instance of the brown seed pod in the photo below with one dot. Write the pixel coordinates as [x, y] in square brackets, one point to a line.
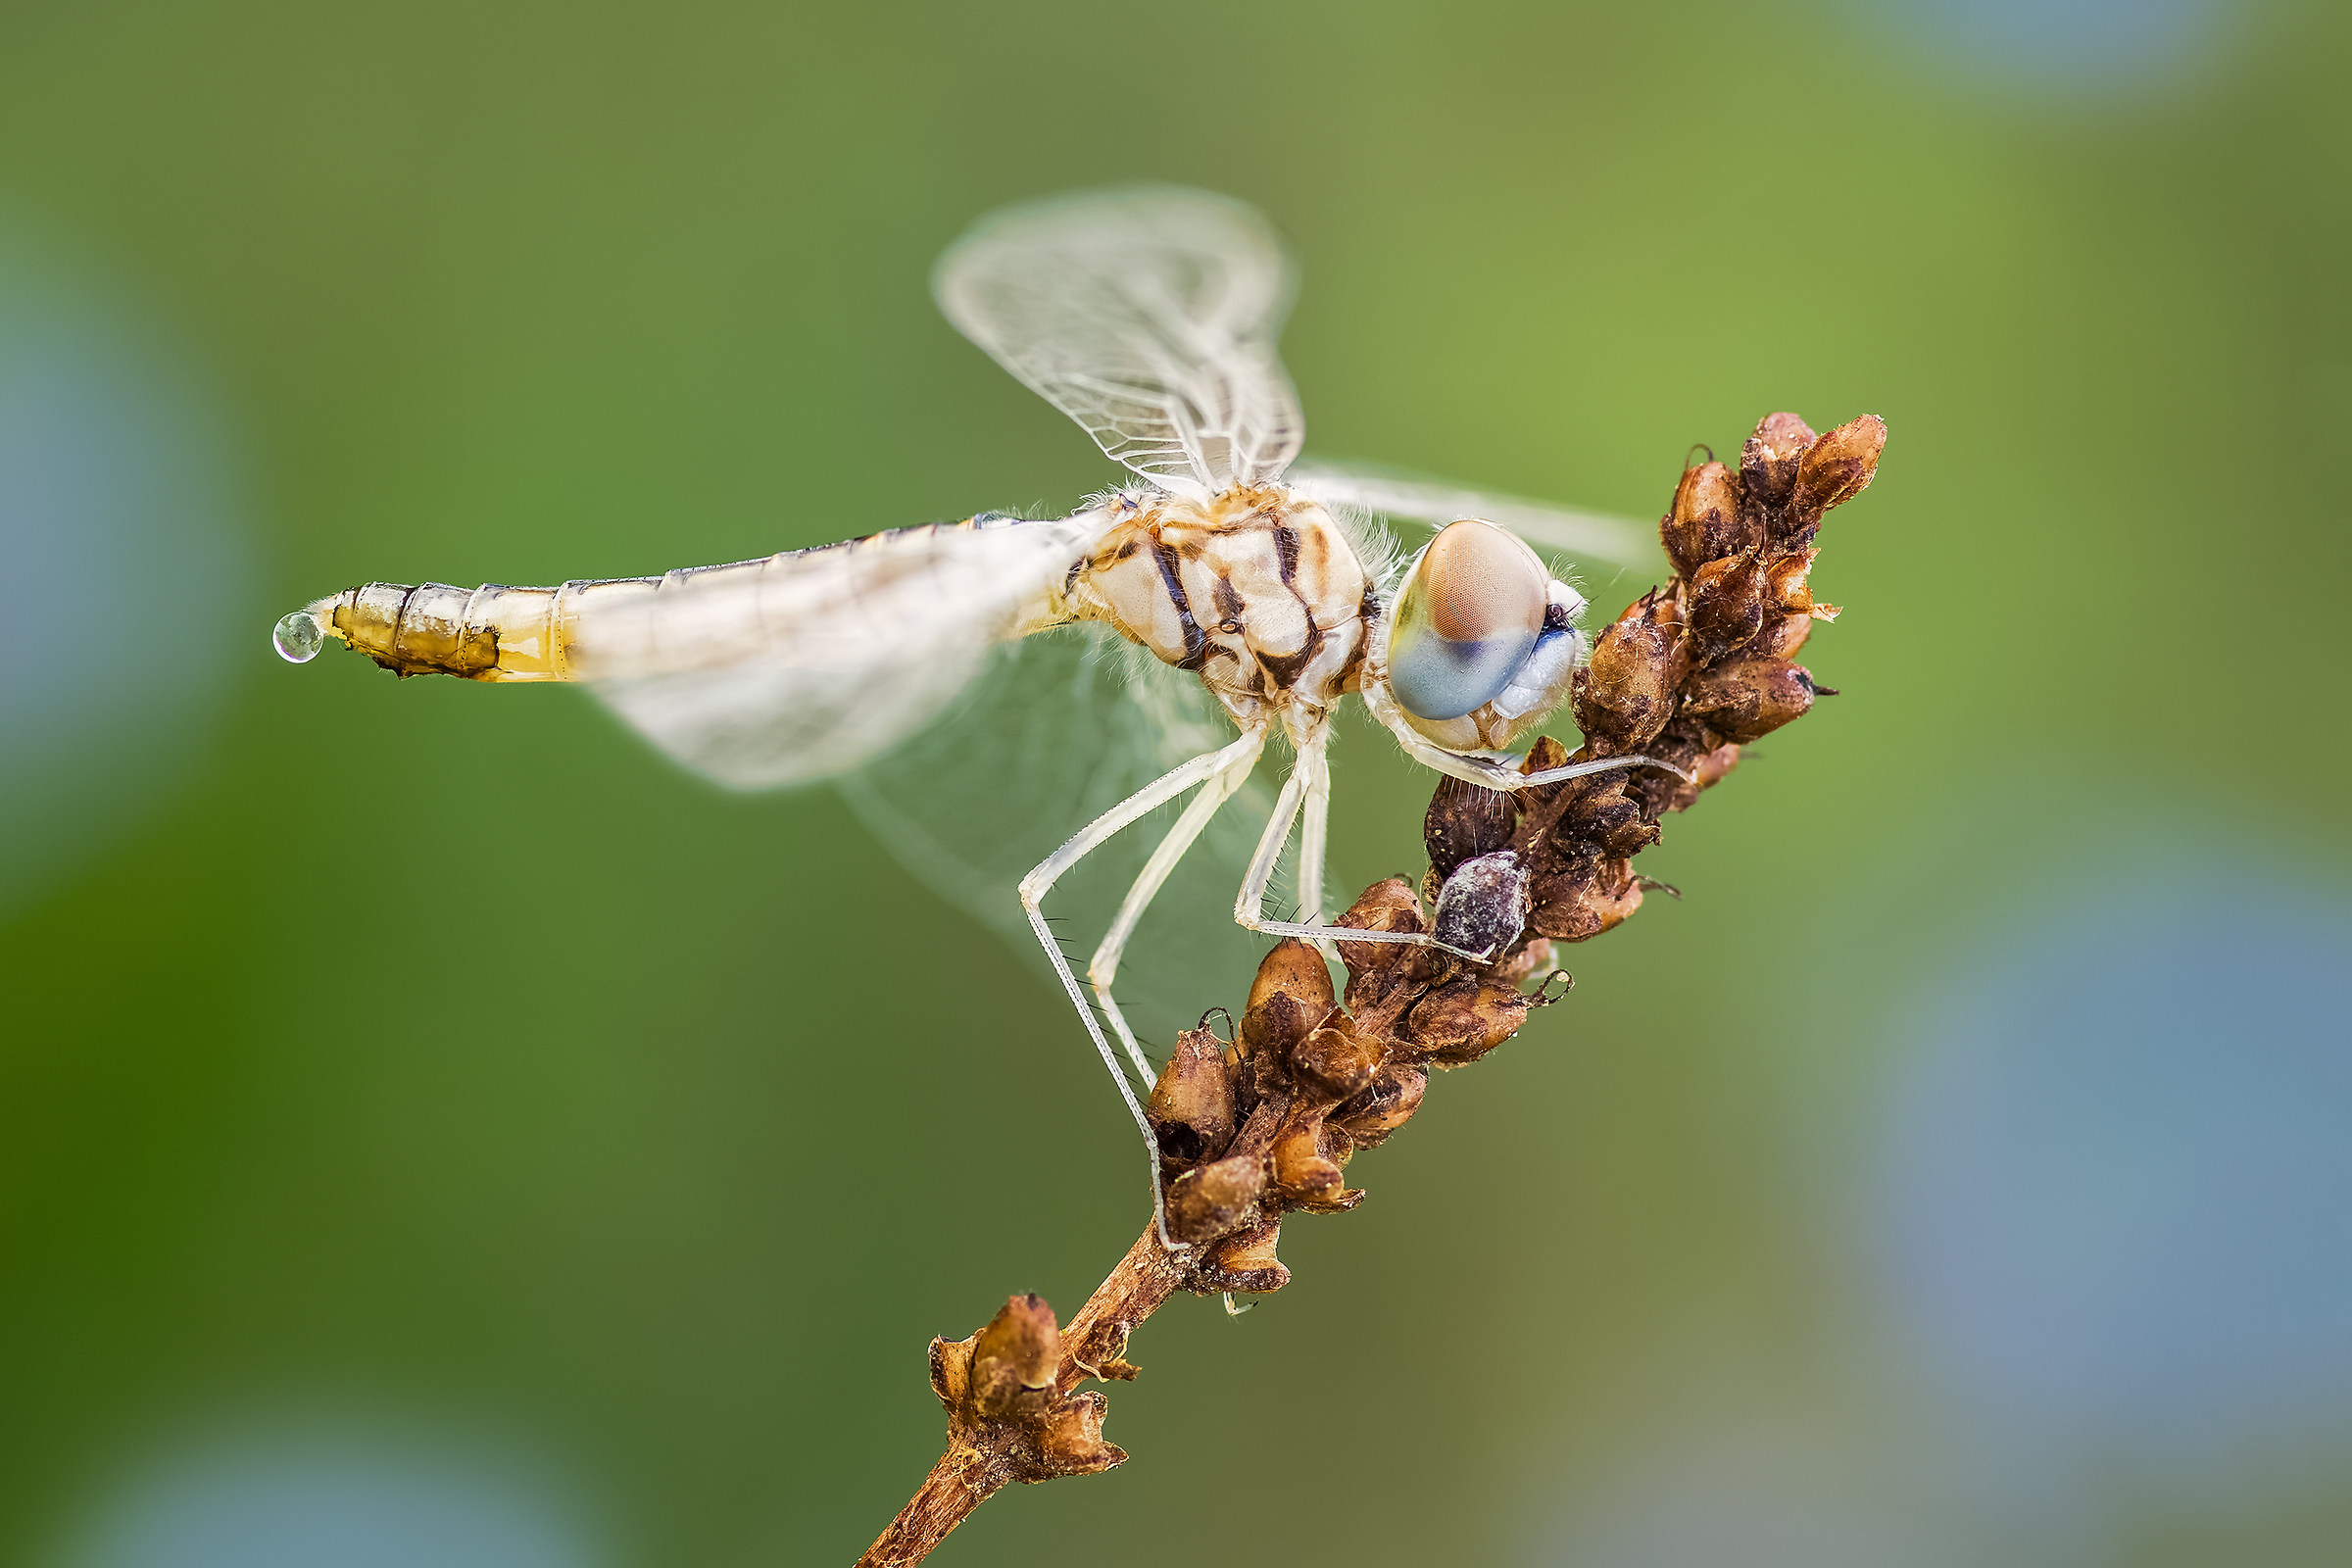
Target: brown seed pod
[1834, 469]
[1289, 999]
[1465, 1018]
[1069, 1438]
[1625, 693]
[1192, 1105]
[1382, 1106]
[1584, 898]
[1705, 524]
[1781, 636]
[1378, 970]
[1786, 583]
[1306, 1167]
[1245, 1262]
[1768, 466]
[1335, 1060]
[1726, 600]
[1603, 815]
[1711, 767]
[1018, 1350]
[1215, 1197]
[1748, 698]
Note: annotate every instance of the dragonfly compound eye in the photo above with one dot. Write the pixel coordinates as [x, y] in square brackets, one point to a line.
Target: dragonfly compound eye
[1471, 611]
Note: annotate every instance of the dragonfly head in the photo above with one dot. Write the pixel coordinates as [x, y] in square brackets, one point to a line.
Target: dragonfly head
[1482, 642]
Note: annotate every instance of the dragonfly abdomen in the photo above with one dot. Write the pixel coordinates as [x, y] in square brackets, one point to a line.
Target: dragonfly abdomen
[488, 633]
[695, 619]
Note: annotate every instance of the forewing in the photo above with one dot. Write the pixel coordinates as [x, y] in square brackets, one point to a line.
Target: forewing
[1586, 536]
[1062, 727]
[1149, 315]
[800, 666]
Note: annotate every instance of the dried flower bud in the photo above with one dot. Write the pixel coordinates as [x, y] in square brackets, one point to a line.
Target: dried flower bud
[1244, 1261]
[1377, 970]
[1335, 1060]
[1710, 768]
[1482, 907]
[1306, 1168]
[1786, 587]
[1781, 636]
[1545, 755]
[1466, 1017]
[1602, 813]
[1836, 469]
[1768, 466]
[951, 1372]
[1584, 898]
[1465, 820]
[1727, 604]
[1535, 953]
[1216, 1198]
[1069, 1438]
[1290, 997]
[1382, 1106]
[1018, 1350]
[1705, 524]
[1748, 698]
[1625, 693]
[1191, 1104]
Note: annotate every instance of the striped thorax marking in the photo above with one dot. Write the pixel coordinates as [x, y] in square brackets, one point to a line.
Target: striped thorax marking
[1257, 591]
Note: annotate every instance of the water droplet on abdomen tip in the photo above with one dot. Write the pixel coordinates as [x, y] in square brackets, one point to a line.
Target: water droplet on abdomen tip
[297, 637]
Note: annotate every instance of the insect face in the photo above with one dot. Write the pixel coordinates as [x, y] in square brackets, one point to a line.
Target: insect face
[1483, 639]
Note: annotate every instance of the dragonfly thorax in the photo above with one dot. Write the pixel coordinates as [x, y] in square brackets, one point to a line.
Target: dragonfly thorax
[1255, 590]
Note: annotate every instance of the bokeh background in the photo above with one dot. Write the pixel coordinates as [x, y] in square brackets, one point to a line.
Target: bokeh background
[435, 1130]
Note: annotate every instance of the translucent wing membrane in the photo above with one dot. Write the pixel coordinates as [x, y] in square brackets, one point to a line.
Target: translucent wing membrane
[1586, 536]
[1060, 727]
[801, 666]
[1149, 315]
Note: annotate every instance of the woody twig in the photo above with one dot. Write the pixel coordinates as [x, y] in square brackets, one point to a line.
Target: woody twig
[1264, 1125]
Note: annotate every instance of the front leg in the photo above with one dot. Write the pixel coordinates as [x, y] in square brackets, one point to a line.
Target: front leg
[1503, 773]
[1039, 882]
[1309, 785]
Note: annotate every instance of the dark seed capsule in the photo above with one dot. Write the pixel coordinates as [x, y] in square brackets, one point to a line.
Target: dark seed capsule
[1465, 820]
[1482, 907]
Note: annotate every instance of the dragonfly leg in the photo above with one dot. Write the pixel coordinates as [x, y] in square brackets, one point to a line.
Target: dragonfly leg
[1316, 828]
[1309, 785]
[1038, 883]
[1104, 968]
[1493, 772]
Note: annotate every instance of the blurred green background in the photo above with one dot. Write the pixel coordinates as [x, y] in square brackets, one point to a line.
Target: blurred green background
[433, 1129]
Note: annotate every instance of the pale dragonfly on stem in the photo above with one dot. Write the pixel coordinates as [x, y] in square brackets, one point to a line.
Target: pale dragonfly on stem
[964, 680]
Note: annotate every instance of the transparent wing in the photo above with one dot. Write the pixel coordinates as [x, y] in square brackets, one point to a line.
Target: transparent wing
[1149, 315]
[1587, 536]
[796, 668]
[1060, 727]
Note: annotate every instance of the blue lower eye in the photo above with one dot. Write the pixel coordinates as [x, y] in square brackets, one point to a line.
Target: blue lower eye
[1436, 679]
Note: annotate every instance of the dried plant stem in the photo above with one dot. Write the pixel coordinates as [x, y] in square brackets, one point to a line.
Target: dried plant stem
[965, 1478]
[1261, 1126]
[969, 1473]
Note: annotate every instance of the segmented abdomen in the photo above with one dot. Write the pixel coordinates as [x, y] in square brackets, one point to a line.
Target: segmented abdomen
[488, 633]
[621, 628]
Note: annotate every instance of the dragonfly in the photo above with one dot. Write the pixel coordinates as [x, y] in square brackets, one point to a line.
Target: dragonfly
[1254, 592]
